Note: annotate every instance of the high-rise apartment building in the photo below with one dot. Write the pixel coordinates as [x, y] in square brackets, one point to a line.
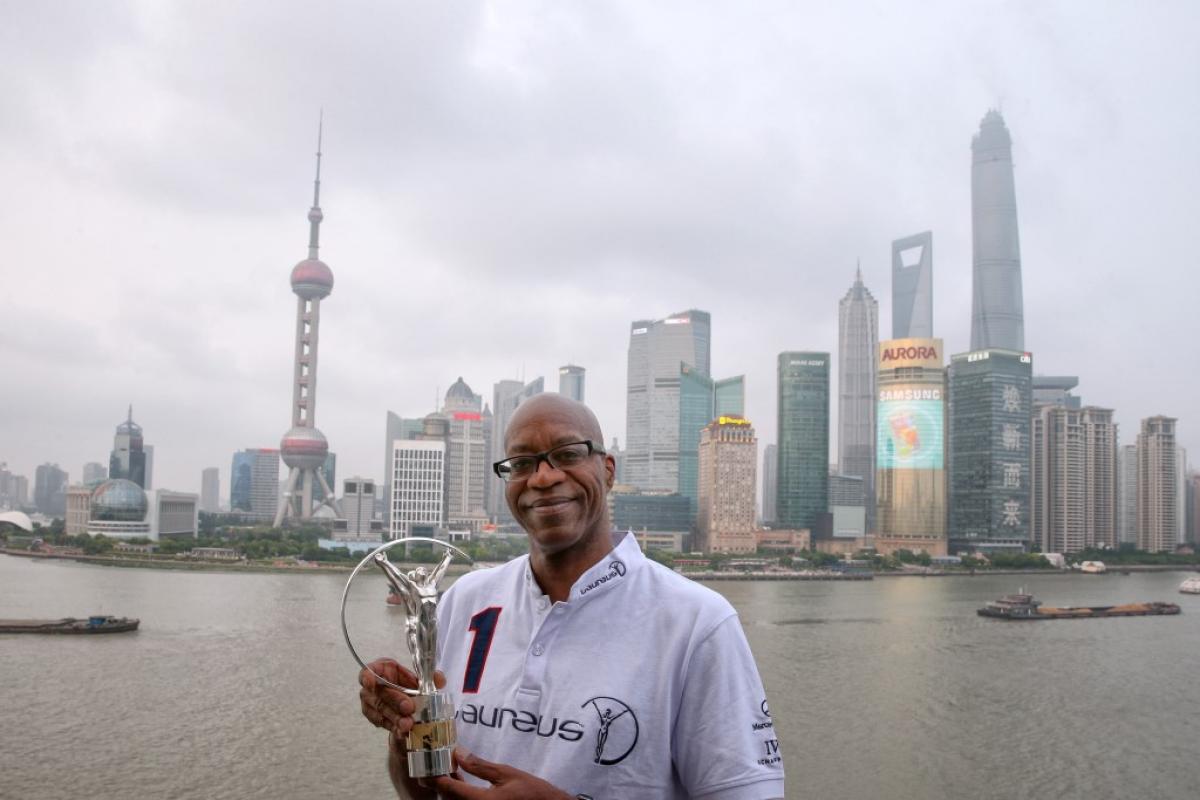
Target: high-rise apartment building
[210, 490]
[701, 400]
[254, 483]
[1075, 479]
[802, 478]
[149, 450]
[1192, 516]
[79, 508]
[467, 464]
[770, 483]
[570, 382]
[657, 348]
[997, 307]
[728, 481]
[418, 485]
[912, 287]
[1127, 494]
[1158, 486]
[50, 490]
[1181, 494]
[94, 472]
[858, 347]
[128, 458]
[910, 447]
[990, 399]
[507, 395]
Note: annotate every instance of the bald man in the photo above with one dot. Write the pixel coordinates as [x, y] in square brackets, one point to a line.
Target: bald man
[584, 670]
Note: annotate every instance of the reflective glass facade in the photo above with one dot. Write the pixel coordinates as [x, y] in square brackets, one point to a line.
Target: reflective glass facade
[991, 400]
[802, 479]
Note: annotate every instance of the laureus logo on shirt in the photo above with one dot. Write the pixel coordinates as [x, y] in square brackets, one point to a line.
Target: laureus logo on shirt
[618, 730]
[616, 569]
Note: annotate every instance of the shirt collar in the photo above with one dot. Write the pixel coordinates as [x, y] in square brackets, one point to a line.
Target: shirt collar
[625, 558]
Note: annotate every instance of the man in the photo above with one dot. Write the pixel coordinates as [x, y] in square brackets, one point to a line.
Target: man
[585, 670]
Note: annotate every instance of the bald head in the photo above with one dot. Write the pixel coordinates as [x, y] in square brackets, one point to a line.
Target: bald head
[555, 408]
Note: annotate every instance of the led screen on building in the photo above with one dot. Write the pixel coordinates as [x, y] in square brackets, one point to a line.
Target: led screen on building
[909, 434]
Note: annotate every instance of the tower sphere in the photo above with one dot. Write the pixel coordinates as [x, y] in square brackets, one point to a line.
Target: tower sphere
[312, 279]
[304, 448]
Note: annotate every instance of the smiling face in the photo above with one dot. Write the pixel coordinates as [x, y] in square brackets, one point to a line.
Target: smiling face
[564, 511]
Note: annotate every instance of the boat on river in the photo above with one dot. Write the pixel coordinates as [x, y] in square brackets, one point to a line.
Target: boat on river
[93, 624]
[1191, 585]
[1093, 568]
[1025, 607]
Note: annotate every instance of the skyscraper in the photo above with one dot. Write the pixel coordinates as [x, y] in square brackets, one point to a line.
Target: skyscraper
[652, 418]
[506, 396]
[303, 447]
[910, 451]
[701, 400]
[467, 465]
[210, 490]
[858, 347]
[727, 483]
[418, 486]
[912, 287]
[149, 450]
[1055, 390]
[94, 473]
[1075, 479]
[997, 307]
[802, 478]
[1158, 486]
[571, 380]
[358, 503]
[254, 483]
[989, 407]
[770, 483]
[128, 458]
[50, 490]
[1127, 491]
[398, 428]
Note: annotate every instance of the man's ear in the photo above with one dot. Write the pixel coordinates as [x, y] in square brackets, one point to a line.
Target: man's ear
[610, 470]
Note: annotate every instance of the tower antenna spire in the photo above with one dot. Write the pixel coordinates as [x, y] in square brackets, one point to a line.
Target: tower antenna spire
[314, 214]
[858, 270]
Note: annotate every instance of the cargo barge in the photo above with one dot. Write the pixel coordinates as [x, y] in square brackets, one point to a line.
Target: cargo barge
[93, 624]
[1024, 607]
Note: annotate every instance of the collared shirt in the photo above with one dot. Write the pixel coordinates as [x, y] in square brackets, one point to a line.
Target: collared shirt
[640, 685]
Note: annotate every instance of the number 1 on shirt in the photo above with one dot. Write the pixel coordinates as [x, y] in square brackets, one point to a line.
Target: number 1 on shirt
[484, 626]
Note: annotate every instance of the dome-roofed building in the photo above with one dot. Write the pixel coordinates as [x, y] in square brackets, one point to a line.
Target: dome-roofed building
[459, 397]
[118, 509]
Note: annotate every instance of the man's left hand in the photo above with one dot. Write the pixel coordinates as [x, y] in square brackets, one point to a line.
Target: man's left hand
[507, 783]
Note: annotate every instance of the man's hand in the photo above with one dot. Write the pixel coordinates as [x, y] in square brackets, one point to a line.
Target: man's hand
[391, 710]
[508, 783]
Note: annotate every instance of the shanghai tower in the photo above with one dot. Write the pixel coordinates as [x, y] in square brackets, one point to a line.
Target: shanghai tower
[997, 308]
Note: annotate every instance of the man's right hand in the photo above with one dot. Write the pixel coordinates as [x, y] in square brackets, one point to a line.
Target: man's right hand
[391, 710]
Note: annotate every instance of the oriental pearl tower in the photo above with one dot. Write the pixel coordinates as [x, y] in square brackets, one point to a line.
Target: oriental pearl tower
[304, 447]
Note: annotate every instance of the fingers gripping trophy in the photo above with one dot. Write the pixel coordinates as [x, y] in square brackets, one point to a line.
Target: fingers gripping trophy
[430, 743]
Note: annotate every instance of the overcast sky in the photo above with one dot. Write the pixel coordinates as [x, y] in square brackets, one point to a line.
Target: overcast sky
[507, 186]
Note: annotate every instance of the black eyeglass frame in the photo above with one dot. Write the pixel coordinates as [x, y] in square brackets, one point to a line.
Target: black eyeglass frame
[593, 449]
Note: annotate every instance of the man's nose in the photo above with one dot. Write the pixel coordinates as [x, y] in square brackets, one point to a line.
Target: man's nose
[547, 477]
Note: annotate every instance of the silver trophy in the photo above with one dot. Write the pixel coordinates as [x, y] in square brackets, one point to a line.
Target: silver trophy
[430, 743]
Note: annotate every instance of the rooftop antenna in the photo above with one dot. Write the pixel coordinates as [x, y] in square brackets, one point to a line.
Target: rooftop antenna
[314, 215]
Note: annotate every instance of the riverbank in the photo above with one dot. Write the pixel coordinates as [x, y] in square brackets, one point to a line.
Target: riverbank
[315, 567]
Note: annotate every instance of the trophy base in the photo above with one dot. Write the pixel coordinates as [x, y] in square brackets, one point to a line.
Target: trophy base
[431, 763]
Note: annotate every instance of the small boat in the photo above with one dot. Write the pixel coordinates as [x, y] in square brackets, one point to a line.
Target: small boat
[93, 624]
[1093, 568]
[1191, 585]
[1024, 607]
[394, 598]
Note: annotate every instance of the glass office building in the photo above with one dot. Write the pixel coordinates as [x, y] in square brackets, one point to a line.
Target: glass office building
[910, 476]
[802, 477]
[990, 406]
[701, 400]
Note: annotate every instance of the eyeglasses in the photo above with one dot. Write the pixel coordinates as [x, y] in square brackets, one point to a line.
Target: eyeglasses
[564, 456]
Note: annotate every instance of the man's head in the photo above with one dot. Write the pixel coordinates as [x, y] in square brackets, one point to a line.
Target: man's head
[561, 507]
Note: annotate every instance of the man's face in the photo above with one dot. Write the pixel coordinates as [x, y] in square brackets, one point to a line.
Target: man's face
[559, 508]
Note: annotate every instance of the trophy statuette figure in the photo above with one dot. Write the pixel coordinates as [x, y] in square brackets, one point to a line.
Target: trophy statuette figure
[430, 743]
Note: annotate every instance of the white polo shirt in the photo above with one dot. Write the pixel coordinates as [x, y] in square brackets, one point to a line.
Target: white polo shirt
[641, 685]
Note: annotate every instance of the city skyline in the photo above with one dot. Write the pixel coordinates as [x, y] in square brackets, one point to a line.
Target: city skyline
[750, 233]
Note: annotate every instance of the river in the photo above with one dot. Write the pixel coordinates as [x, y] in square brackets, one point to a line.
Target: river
[239, 686]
